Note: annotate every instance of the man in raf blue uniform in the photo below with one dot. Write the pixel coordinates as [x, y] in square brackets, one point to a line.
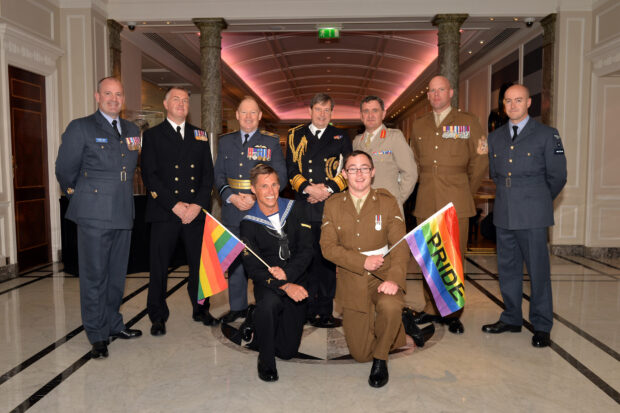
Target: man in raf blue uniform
[314, 155]
[237, 153]
[528, 165]
[95, 167]
[177, 170]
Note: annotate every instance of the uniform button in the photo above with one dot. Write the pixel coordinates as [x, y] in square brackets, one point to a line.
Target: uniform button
[191, 166]
[509, 173]
[495, 155]
[176, 166]
[122, 154]
[240, 164]
[511, 147]
[436, 147]
[436, 133]
[192, 178]
[310, 161]
[419, 138]
[124, 167]
[176, 178]
[358, 234]
[240, 176]
[359, 249]
[176, 191]
[241, 153]
[529, 154]
[96, 190]
[435, 161]
[358, 220]
[310, 180]
[326, 178]
[310, 170]
[338, 228]
[324, 159]
[192, 190]
[102, 147]
[510, 160]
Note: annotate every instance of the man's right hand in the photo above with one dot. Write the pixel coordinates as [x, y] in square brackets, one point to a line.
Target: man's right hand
[180, 209]
[317, 193]
[242, 201]
[373, 262]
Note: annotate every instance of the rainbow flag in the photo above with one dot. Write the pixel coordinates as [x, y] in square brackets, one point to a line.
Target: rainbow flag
[435, 246]
[219, 249]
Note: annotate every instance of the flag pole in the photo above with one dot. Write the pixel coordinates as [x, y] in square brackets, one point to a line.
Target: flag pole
[244, 244]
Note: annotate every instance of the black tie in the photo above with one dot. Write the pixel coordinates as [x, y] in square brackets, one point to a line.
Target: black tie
[515, 129]
[118, 134]
[179, 132]
[246, 139]
[317, 134]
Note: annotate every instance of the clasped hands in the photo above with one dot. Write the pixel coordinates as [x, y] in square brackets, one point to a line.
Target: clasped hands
[295, 292]
[187, 212]
[317, 193]
[373, 263]
[242, 201]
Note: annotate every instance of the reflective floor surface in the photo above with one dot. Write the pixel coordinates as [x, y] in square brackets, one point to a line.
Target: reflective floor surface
[45, 364]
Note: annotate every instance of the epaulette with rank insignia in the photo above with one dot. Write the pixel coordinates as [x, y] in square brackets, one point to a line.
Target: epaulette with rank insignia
[267, 133]
[296, 127]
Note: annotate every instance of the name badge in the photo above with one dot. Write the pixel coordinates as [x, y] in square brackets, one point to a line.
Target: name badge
[134, 143]
[377, 222]
[101, 140]
[201, 135]
[455, 132]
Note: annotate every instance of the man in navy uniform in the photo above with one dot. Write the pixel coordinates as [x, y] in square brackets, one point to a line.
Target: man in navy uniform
[528, 165]
[237, 153]
[177, 171]
[277, 230]
[95, 167]
[314, 155]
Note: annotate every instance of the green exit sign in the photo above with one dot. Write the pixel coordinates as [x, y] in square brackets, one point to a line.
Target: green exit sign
[329, 33]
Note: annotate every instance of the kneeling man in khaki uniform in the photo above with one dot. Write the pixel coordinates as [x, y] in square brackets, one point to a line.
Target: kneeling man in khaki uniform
[359, 226]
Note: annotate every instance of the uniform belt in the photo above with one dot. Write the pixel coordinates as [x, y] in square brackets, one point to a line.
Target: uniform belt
[510, 181]
[239, 183]
[436, 169]
[112, 176]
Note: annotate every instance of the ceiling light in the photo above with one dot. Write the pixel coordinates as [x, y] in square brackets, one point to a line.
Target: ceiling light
[470, 52]
[167, 22]
[481, 41]
[328, 57]
[516, 19]
[492, 18]
[143, 22]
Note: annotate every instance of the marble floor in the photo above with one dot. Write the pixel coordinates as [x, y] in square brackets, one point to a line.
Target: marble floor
[45, 365]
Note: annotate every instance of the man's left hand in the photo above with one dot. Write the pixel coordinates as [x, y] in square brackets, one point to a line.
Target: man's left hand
[388, 287]
[483, 146]
[191, 213]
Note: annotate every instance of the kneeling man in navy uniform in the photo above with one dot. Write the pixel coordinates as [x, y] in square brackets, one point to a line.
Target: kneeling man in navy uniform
[278, 231]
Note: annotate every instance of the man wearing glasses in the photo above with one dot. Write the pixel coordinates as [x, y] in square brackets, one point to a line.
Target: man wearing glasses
[359, 226]
[314, 153]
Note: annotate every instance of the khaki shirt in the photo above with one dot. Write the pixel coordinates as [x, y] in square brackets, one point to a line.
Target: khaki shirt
[450, 169]
[345, 234]
[395, 167]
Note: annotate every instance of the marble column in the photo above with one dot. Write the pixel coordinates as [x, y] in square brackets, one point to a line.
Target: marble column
[211, 76]
[548, 69]
[114, 39]
[448, 42]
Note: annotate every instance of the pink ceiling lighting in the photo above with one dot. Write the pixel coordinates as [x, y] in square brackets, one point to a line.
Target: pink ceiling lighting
[286, 69]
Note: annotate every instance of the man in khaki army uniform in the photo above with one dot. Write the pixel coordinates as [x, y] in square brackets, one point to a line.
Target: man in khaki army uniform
[396, 170]
[359, 226]
[449, 149]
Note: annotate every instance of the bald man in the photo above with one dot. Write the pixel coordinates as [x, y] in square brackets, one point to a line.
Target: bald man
[528, 165]
[449, 149]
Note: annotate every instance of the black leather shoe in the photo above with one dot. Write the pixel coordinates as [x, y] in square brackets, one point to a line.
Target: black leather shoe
[99, 350]
[158, 328]
[541, 339]
[454, 325]
[326, 321]
[500, 327]
[411, 329]
[265, 373]
[127, 333]
[378, 373]
[234, 315]
[423, 318]
[206, 318]
[247, 327]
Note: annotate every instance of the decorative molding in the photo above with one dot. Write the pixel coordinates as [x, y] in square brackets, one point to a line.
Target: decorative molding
[27, 50]
[605, 58]
[567, 219]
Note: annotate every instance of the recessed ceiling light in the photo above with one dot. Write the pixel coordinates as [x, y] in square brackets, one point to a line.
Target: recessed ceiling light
[481, 41]
[516, 19]
[143, 22]
[470, 52]
[492, 18]
[328, 57]
[329, 70]
[167, 22]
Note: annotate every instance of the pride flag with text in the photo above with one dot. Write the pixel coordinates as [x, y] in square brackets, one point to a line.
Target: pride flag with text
[435, 246]
[219, 249]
